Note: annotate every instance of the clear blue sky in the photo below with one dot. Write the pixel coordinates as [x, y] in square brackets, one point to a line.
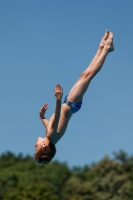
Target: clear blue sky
[47, 42]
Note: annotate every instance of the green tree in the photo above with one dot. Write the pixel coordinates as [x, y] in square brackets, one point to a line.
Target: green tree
[18, 173]
[33, 191]
[109, 179]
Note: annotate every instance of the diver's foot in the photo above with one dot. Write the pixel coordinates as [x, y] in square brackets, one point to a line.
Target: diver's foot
[105, 37]
[109, 43]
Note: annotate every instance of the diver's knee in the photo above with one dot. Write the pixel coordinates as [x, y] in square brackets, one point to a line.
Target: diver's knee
[86, 74]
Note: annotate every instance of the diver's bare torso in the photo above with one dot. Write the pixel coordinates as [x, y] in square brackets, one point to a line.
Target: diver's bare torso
[65, 115]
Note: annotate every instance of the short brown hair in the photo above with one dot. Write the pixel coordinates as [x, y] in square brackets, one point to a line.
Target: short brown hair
[45, 155]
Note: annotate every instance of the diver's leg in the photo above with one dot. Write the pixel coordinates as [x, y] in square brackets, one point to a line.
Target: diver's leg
[80, 87]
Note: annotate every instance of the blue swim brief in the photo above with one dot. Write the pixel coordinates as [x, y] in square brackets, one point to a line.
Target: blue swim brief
[75, 106]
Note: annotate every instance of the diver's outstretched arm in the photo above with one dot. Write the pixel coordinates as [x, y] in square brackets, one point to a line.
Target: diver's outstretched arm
[58, 91]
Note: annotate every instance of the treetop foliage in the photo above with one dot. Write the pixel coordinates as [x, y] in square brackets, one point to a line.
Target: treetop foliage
[109, 179]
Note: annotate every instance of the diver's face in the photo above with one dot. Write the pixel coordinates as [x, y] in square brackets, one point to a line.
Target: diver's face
[39, 143]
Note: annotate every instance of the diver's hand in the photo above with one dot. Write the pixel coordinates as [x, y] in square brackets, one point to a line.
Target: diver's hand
[43, 110]
[58, 91]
